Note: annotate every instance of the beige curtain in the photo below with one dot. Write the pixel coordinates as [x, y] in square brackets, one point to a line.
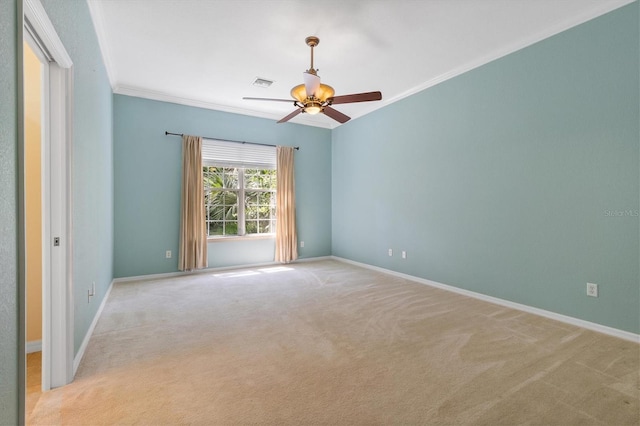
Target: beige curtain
[286, 238]
[193, 236]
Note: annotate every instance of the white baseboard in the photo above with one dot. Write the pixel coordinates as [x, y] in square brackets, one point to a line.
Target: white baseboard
[622, 334]
[34, 346]
[87, 336]
[313, 259]
[210, 270]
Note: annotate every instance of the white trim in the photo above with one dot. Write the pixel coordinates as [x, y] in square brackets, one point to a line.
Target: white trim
[246, 237]
[57, 344]
[210, 270]
[186, 273]
[165, 97]
[548, 32]
[39, 20]
[313, 259]
[87, 336]
[97, 16]
[61, 324]
[626, 335]
[45, 178]
[34, 346]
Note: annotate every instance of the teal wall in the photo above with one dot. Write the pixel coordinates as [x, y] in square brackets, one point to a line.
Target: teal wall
[92, 166]
[147, 183]
[512, 180]
[9, 306]
[92, 175]
[519, 179]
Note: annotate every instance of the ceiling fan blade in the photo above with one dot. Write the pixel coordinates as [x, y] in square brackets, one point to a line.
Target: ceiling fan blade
[357, 97]
[336, 115]
[290, 116]
[268, 99]
[311, 83]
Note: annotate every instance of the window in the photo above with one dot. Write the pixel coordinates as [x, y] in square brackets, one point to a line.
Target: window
[239, 188]
[239, 201]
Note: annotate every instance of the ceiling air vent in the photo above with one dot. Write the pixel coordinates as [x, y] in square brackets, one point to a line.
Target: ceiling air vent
[262, 82]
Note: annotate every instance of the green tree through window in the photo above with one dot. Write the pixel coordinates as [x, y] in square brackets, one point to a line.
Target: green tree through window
[239, 201]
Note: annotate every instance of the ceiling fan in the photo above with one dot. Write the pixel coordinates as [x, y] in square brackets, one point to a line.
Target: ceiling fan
[313, 97]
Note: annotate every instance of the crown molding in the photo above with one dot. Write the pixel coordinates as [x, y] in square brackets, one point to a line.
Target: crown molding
[165, 97]
[548, 32]
[552, 30]
[98, 18]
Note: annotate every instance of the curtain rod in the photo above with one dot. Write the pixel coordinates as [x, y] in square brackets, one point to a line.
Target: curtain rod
[228, 140]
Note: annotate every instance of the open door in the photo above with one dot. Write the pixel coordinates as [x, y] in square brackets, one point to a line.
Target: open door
[56, 123]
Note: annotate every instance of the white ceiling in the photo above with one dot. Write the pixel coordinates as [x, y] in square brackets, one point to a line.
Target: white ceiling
[207, 53]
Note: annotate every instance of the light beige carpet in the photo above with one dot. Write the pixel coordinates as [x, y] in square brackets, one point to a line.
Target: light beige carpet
[34, 381]
[331, 343]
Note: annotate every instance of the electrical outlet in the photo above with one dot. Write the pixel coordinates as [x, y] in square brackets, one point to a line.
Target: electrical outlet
[301, 244]
[592, 290]
[404, 254]
[390, 252]
[167, 254]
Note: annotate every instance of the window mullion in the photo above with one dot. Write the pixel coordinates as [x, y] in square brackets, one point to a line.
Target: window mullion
[241, 225]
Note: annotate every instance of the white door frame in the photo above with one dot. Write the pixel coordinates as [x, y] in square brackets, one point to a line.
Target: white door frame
[57, 332]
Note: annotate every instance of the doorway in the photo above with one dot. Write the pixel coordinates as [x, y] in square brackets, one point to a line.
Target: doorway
[35, 70]
[46, 248]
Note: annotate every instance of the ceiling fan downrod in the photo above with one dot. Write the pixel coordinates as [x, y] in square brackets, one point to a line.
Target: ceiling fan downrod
[312, 42]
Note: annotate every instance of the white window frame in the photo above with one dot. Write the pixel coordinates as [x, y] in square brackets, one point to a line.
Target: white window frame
[219, 153]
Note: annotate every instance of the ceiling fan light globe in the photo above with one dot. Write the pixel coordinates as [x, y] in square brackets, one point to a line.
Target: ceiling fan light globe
[312, 109]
